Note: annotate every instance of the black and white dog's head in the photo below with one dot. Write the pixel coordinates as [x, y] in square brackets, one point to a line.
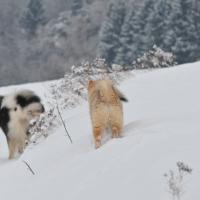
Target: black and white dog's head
[19, 108]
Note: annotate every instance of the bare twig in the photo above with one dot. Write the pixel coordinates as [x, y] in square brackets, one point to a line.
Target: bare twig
[29, 167]
[63, 122]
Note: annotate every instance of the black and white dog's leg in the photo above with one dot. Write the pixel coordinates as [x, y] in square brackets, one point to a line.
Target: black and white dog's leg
[12, 146]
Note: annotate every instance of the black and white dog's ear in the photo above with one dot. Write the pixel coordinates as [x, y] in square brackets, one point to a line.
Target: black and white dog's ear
[1, 99]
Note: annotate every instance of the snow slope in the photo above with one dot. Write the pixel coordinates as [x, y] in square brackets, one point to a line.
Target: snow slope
[162, 126]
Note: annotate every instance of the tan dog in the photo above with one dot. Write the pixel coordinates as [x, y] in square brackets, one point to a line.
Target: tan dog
[105, 108]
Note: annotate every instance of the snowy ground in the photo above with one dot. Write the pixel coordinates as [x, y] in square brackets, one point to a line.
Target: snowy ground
[162, 126]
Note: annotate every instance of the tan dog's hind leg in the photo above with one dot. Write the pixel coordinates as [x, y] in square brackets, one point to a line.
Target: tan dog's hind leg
[97, 136]
[116, 132]
[116, 122]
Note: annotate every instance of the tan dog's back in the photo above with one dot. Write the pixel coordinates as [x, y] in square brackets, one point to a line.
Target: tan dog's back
[105, 108]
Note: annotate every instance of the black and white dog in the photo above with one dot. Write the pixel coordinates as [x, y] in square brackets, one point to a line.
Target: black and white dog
[16, 112]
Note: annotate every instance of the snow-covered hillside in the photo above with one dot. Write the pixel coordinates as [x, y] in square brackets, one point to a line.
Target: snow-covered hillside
[162, 127]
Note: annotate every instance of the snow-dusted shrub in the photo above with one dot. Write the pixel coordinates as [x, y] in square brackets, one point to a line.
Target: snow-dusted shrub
[175, 180]
[72, 89]
[43, 126]
[155, 58]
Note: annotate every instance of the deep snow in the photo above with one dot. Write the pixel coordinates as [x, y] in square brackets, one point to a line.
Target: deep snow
[162, 126]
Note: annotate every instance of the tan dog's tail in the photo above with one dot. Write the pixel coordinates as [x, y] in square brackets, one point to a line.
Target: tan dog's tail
[101, 89]
[120, 94]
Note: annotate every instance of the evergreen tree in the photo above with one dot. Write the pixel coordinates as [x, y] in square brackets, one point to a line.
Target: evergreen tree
[76, 7]
[111, 31]
[125, 53]
[142, 40]
[174, 26]
[33, 17]
[196, 19]
[159, 21]
[135, 38]
[182, 37]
